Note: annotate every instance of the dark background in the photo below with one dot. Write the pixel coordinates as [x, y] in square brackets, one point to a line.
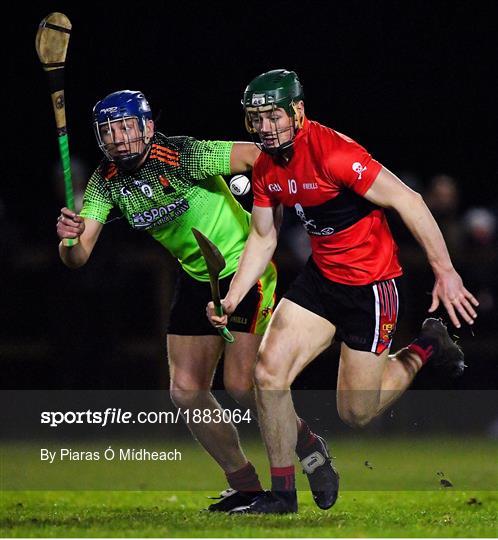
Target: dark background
[414, 82]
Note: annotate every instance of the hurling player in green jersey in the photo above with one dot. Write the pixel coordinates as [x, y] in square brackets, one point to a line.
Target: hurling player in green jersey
[165, 186]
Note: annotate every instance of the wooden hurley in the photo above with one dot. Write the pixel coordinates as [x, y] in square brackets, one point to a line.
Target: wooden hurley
[52, 41]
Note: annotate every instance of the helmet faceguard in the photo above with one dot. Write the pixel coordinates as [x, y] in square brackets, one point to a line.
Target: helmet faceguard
[268, 92]
[123, 106]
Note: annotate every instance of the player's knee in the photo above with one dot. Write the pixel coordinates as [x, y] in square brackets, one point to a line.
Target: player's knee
[182, 398]
[355, 417]
[240, 392]
[269, 376]
[186, 395]
[239, 383]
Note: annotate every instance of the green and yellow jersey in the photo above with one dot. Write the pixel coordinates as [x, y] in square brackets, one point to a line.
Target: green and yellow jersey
[179, 187]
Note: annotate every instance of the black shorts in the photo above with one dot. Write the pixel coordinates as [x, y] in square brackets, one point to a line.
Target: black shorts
[365, 316]
[188, 308]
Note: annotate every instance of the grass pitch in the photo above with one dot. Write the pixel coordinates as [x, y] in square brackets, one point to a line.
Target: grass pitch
[162, 514]
[430, 510]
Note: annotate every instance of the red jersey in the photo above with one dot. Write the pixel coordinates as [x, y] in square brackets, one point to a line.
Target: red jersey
[325, 182]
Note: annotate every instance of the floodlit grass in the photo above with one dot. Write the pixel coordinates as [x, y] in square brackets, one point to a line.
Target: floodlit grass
[154, 514]
[429, 510]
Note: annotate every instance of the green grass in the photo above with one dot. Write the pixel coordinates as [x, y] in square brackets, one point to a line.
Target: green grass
[162, 514]
[402, 497]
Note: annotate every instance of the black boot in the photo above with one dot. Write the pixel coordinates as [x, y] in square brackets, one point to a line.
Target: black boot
[447, 356]
[230, 499]
[323, 478]
[271, 502]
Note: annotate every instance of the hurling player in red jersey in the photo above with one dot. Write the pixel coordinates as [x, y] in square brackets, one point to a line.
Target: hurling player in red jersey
[350, 289]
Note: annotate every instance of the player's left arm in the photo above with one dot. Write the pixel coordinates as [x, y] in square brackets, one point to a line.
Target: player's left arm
[389, 191]
[243, 156]
[204, 159]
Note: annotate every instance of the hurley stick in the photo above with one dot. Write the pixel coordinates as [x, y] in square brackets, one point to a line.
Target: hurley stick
[215, 264]
[52, 40]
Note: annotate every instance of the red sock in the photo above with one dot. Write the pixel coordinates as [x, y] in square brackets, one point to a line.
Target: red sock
[305, 438]
[283, 478]
[245, 479]
[424, 352]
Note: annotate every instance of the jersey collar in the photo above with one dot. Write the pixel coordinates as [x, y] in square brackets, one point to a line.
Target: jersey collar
[303, 132]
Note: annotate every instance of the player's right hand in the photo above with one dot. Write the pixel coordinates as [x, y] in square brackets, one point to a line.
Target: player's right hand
[216, 320]
[458, 301]
[69, 224]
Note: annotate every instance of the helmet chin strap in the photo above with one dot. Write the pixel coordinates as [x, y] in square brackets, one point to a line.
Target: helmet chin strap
[128, 163]
[283, 151]
[131, 161]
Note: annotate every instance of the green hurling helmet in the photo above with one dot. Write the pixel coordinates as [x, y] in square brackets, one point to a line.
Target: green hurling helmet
[279, 88]
[274, 89]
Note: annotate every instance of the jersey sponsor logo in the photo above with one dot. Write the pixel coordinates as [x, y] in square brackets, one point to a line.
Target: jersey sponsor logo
[357, 168]
[310, 185]
[160, 215]
[274, 188]
[310, 225]
[124, 191]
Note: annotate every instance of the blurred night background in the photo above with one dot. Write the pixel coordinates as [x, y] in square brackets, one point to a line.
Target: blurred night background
[413, 82]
